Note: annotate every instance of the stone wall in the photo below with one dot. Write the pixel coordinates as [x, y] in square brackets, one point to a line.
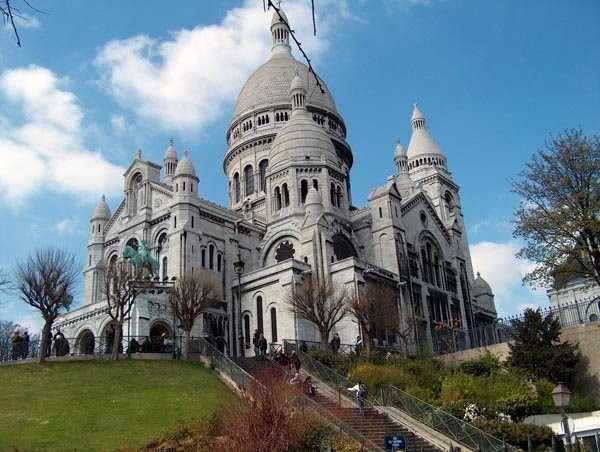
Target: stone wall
[587, 335]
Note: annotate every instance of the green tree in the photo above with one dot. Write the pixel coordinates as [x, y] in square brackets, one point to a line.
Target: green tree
[537, 348]
[559, 213]
[46, 280]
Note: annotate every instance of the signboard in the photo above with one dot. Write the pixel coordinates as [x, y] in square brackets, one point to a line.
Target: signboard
[395, 442]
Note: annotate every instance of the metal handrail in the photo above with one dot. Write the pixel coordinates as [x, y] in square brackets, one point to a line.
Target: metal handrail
[244, 379]
[450, 426]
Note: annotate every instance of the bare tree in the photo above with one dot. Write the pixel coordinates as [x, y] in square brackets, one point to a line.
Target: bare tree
[319, 302]
[4, 281]
[9, 13]
[191, 295]
[375, 306]
[120, 293]
[46, 280]
[7, 328]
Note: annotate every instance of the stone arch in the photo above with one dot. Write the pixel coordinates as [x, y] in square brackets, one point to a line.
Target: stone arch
[268, 252]
[85, 343]
[343, 247]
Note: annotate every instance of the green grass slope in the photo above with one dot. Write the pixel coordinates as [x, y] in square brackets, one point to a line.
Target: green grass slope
[101, 405]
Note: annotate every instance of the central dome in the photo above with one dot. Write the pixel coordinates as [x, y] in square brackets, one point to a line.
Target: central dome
[270, 84]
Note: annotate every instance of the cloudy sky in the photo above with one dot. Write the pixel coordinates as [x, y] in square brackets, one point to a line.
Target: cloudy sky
[95, 81]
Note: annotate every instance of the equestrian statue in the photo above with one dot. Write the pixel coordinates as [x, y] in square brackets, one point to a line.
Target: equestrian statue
[141, 259]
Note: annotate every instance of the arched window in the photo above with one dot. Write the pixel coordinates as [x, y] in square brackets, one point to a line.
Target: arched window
[203, 257]
[211, 255]
[219, 261]
[259, 314]
[277, 199]
[338, 196]
[332, 196]
[262, 166]
[249, 179]
[247, 329]
[273, 325]
[315, 184]
[303, 190]
[286, 196]
[236, 187]
[165, 269]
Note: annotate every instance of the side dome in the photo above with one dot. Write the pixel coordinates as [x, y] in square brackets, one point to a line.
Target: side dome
[185, 167]
[102, 211]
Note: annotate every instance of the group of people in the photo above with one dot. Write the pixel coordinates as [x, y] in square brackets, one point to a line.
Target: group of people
[259, 342]
[20, 345]
[335, 344]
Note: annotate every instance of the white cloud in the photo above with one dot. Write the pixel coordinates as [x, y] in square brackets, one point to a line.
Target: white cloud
[504, 273]
[189, 81]
[67, 226]
[118, 123]
[46, 151]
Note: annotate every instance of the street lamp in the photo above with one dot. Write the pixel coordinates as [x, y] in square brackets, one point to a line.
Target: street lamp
[238, 268]
[561, 395]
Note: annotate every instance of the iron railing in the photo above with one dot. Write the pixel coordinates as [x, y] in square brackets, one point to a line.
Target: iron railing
[432, 416]
[244, 380]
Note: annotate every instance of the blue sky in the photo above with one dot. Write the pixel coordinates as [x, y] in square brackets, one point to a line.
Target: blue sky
[95, 81]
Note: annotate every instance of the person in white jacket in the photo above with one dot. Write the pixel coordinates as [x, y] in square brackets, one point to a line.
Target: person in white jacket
[361, 395]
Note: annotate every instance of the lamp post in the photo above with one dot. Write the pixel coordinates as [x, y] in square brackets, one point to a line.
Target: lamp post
[238, 268]
[561, 395]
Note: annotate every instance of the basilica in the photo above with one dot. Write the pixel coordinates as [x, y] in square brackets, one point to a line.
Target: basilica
[291, 213]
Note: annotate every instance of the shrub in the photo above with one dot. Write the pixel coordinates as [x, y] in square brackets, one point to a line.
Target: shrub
[484, 366]
[518, 434]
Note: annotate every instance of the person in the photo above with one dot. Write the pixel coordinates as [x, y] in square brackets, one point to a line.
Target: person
[358, 345]
[335, 343]
[110, 339]
[303, 347]
[16, 343]
[255, 338]
[262, 346]
[134, 346]
[147, 345]
[295, 380]
[309, 388]
[25, 345]
[361, 395]
[61, 346]
[294, 362]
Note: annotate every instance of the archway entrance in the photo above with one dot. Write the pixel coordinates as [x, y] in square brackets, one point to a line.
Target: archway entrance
[160, 331]
[86, 343]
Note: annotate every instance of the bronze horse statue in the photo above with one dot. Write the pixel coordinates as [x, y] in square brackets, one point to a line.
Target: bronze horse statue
[141, 259]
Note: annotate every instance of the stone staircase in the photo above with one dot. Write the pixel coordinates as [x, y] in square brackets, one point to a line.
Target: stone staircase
[374, 425]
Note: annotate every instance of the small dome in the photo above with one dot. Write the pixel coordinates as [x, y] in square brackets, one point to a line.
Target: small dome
[481, 287]
[313, 203]
[297, 84]
[185, 167]
[276, 19]
[422, 143]
[399, 151]
[170, 153]
[102, 211]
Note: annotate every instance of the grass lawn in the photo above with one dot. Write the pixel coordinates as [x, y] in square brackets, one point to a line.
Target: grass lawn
[101, 405]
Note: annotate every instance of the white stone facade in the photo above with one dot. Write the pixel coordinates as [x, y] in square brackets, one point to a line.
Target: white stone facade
[288, 166]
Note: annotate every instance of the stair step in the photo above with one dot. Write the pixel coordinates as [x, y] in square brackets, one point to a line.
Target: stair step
[374, 425]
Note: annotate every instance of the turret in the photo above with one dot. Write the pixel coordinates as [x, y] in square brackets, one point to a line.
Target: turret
[185, 181]
[170, 163]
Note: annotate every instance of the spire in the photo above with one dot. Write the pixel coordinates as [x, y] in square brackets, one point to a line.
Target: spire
[401, 161]
[298, 93]
[313, 204]
[170, 163]
[423, 152]
[418, 120]
[280, 32]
